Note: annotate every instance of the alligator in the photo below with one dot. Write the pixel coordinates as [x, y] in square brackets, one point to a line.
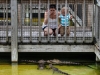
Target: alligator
[57, 70]
[41, 64]
[29, 61]
[56, 61]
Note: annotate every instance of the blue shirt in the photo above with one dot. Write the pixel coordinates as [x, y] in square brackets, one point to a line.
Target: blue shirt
[64, 19]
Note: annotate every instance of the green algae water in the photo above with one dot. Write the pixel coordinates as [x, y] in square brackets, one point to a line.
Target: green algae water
[15, 69]
[7, 68]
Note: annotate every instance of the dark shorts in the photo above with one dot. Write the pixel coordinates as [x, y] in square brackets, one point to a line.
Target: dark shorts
[54, 33]
[51, 28]
[54, 29]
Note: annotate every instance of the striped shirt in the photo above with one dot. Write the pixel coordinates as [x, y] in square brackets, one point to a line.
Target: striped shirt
[64, 19]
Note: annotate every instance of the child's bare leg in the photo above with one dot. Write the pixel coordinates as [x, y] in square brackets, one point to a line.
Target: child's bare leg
[68, 31]
[62, 30]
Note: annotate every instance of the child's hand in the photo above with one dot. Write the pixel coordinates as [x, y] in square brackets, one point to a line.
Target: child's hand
[71, 16]
[59, 26]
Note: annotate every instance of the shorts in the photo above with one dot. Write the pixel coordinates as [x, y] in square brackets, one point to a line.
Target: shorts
[62, 30]
[44, 27]
[51, 28]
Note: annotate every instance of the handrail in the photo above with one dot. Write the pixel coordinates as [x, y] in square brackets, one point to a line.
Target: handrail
[77, 18]
[97, 47]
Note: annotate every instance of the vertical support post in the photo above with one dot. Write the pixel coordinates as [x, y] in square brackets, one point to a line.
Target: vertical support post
[21, 18]
[65, 20]
[99, 24]
[96, 23]
[97, 59]
[7, 20]
[4, 11]
[84, 19]
[75, 10]
[48, 20]
[39, 19]
[97, 32]
[57, 20]
[14, 52]
[93, 20]
[30, 20]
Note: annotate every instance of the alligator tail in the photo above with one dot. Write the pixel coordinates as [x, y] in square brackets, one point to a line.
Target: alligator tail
[28, 61]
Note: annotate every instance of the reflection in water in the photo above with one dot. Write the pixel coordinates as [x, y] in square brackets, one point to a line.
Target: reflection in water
[14, 68]
[97, 65]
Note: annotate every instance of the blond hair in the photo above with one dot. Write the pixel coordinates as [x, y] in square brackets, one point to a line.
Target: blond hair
[64, 9]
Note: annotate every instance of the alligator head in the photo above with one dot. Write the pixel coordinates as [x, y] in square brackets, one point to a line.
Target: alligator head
[41, 64]
[54, 61]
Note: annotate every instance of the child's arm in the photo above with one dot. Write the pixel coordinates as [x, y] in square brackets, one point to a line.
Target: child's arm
[59, 20]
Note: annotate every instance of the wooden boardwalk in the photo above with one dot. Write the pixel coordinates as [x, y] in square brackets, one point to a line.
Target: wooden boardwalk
[25, 33]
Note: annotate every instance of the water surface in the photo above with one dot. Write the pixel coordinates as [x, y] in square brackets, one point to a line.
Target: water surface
[7, 68]
[29, 69]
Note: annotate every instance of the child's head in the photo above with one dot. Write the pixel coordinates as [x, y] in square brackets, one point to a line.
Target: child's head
[63, 10]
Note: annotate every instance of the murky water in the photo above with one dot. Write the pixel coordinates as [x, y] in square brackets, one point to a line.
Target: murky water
[6, 68]
[14, 69]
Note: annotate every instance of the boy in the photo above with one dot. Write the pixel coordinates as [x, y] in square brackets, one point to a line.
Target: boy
[64, 21]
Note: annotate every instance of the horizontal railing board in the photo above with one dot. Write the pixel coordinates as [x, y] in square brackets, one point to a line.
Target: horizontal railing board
[50, 48]
[36, 34]
[56, 48]
[36, 28]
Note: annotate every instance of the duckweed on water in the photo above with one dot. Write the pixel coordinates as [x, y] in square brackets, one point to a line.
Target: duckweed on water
[32, 70]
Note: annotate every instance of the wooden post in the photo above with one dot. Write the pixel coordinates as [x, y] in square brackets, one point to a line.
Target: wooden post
[99, 23]
[97, 51]
[14, 52]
